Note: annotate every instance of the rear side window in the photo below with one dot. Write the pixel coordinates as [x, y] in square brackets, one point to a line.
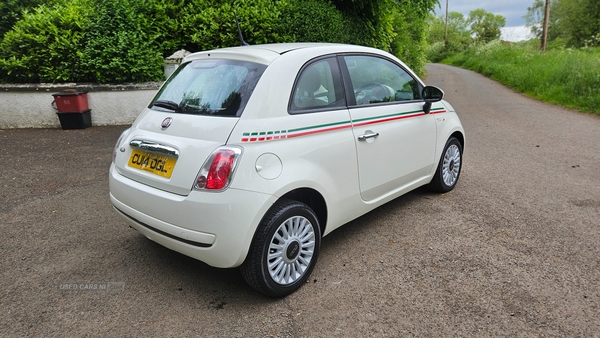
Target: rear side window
[209, 87]
[377, 80]
[319, 86]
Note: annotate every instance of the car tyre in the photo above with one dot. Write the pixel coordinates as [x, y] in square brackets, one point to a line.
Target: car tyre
[284, 249]
[448, 170]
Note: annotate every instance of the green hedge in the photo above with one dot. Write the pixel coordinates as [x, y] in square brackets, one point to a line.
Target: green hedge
[211, 24]
[117, 47]
[125, 40]
[44, 46]
[327, 23]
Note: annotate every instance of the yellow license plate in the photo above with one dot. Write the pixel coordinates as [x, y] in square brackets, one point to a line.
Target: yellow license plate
[156, 164]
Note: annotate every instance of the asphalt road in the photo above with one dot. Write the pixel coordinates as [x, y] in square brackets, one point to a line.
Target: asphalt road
[514, 250]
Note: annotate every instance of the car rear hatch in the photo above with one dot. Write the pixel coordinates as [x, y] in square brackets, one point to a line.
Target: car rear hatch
[192, 115]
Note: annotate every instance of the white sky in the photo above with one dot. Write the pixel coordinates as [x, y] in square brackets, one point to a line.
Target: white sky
[512, 10]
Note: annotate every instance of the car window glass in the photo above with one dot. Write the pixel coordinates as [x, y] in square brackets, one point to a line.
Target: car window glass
[209, 87]
[318, 86]
[377, 80]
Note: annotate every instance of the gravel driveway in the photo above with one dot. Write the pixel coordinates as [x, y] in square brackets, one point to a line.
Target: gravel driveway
[514, 250]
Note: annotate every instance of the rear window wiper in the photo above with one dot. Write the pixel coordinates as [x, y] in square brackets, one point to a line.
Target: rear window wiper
[166, 104]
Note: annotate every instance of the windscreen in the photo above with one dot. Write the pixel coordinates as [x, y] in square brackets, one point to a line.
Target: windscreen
[209, 87]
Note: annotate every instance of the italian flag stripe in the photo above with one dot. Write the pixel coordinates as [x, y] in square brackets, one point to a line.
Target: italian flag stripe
[310, 131]
[386, 118]
[323, 128]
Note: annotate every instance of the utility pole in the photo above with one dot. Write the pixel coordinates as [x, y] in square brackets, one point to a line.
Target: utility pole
[446, 27]
[545, 29]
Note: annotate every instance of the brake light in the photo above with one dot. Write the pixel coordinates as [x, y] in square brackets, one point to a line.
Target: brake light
[217, 172]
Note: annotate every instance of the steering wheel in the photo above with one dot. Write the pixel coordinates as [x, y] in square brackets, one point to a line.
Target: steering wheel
[371, 92]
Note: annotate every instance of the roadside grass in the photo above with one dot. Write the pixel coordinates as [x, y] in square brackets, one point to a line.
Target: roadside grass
[565, 77]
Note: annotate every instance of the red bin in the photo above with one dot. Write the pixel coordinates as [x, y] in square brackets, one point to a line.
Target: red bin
[68, 102]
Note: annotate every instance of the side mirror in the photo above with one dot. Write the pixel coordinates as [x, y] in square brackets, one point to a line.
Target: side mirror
[431, 94]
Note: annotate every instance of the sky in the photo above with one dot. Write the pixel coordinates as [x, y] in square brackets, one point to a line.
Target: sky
[512, 10]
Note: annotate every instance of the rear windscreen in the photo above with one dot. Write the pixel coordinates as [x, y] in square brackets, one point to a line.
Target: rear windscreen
[209, 87]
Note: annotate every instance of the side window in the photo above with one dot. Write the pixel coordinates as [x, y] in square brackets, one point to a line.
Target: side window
[318, 86]
[377, 80]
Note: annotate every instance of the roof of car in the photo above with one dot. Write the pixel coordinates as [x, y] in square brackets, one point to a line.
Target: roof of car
[268, 52]
[281, 48]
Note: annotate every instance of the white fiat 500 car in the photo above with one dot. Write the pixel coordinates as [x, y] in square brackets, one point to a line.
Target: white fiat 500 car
[248, 156]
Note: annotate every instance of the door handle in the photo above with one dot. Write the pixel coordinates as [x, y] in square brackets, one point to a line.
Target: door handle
[367, 136]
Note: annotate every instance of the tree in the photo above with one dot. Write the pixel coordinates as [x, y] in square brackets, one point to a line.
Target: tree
[535, 17]
[410, 31]
[459, 36]
[575, 21]
[485, 26]
[579, 21]
[458, 39]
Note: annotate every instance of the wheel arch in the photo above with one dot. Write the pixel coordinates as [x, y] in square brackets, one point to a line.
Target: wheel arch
[314, 200]
[460, 137]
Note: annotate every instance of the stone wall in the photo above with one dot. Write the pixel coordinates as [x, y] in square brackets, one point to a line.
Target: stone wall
[30, 105]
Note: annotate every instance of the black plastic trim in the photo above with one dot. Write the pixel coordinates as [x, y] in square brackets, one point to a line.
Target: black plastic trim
[166, 234]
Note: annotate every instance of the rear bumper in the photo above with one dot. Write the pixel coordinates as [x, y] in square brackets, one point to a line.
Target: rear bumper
[216, 228]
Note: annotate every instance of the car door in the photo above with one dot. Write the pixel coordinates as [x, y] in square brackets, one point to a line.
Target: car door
[395, 140]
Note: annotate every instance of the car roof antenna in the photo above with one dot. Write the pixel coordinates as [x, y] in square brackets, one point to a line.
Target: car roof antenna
[242, 42]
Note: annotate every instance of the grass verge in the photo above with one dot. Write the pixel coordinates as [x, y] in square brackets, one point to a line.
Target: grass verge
[565, 77]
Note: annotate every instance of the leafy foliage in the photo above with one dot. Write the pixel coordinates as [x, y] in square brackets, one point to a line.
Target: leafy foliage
[44, 45]
[409, 24]
[123, 41]
[567, 77]
[11, 11]
[534, 19]
[211, 23]
[579, 21]
[485, 26]
[459, 36]
[572, 21]
[117, 48]
[330, 25]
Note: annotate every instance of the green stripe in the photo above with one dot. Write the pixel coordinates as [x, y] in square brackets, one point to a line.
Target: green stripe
[333, 124]
[386, 116]
[318, 126]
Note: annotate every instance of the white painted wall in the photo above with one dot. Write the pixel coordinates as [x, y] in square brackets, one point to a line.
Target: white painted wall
[33, 109]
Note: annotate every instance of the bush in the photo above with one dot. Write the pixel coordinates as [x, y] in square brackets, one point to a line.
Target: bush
[327, 23]
[567, 77]
[125, 41]
[81, 41]
[409, 43]
[117, 48]
[211, 23]
[44, 46]
[11, 11]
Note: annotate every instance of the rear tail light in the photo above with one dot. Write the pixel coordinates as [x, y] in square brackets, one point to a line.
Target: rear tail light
[217, 172]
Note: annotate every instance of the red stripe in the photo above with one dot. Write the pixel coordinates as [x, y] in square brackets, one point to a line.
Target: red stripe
[309, 132]
[317, 131]
[438, 112]
[388, 119]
